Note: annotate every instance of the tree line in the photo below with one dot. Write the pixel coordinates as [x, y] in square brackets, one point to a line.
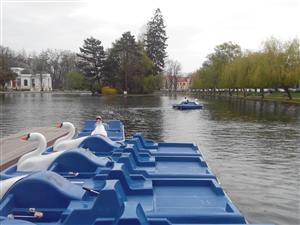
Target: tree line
[56, 62]
[130, 65]
[228, 68]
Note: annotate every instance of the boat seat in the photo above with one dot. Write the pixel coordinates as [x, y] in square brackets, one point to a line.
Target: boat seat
[145, 143]
[79, 160]
[57, 192]
[99, 144]
[106, 209]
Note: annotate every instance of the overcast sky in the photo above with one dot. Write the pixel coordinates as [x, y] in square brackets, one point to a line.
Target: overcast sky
[194, 27]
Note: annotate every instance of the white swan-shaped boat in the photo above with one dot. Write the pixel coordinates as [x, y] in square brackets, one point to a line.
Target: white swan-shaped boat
[35, 161]
[6, 184]
[66, 142]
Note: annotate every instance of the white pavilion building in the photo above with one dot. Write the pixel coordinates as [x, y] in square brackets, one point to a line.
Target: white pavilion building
[30, 82]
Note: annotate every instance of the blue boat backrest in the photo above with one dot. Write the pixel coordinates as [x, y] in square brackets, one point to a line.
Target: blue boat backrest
[109, 205]
[78, 160]
[99, 144]
[44, 190]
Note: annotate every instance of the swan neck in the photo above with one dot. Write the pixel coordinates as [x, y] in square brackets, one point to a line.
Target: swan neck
[42, 145]
[69, 136]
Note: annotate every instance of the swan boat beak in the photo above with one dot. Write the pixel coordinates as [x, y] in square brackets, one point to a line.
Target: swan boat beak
[25, 137]
[59, 125]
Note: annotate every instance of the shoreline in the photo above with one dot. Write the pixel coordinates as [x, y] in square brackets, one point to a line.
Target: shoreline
[76, 93]
[267, 98]
[255, 98]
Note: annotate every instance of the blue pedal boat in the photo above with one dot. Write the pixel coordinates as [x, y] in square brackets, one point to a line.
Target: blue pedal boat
[97, 154]
[111, 200]
[187, 105]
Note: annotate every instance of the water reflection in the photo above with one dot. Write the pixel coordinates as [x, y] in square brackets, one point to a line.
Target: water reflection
[239, 108]
[24, 110]
[252, 146]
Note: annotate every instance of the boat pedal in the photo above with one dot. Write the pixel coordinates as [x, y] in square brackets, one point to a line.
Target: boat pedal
[121, 143]
[36, 215]
[110, 158]
[91, 190]
[70, 174]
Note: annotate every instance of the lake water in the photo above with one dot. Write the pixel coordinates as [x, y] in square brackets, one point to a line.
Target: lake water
[253, 147]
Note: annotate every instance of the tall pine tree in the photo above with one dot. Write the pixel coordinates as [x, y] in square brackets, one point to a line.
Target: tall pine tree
[91, 60]
[127, 64]
[156, 42]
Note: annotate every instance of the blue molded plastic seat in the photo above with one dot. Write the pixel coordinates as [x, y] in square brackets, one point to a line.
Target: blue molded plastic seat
[169, 167]
[89, 125]
[145, 142]
[45, 191]
[114, 125]
[99, 144]
[166, 149]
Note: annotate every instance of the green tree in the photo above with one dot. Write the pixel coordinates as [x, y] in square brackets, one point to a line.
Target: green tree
[229, 76]
[223, 54]
[283, 60]
[5, 73]
[147, 64]
[91, 61]
[129, 56]
[152, 83]
[75, 81]
[111, 69]
[127, 64]
[213, 72]
[236, 73]
[156, 42]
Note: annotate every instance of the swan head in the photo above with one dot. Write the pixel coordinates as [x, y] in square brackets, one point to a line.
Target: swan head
[98, 120]
[33, 137]
[67, 125]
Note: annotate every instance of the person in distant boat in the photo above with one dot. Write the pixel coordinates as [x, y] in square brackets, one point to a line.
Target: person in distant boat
[186, 100]
[99, 129]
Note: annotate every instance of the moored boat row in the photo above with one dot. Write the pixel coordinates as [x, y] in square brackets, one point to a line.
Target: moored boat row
[110, 180]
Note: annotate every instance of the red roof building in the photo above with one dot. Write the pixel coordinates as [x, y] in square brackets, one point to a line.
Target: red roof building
[177, 83]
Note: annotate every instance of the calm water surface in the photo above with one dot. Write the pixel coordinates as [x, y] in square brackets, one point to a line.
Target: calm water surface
[253, 147]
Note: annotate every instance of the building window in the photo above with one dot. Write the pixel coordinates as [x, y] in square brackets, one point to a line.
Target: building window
[33, 83]
[25, 83]
[19, 82]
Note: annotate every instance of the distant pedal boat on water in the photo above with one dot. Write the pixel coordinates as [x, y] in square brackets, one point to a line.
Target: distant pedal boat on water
[187, 105]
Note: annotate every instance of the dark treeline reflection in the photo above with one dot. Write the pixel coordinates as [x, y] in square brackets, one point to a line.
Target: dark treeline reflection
[25, 110]
[239, 108]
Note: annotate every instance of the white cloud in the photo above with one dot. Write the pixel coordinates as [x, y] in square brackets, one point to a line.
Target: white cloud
[194, 27]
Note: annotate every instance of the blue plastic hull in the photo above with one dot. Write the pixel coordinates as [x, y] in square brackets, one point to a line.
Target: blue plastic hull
[187, 106]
